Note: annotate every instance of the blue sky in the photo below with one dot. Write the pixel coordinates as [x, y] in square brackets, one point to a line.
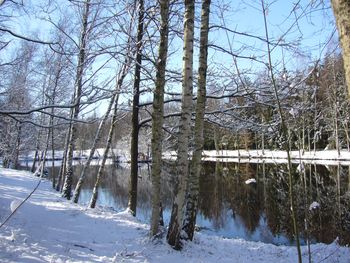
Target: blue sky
[308, 36]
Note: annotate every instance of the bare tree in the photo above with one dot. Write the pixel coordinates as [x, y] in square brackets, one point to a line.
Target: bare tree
[135, 112]
[176, 220]
[77, 97]
[112, 102]
[193, 184]
[16, 96]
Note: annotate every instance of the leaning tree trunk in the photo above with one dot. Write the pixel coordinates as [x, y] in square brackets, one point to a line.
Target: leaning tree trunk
[157, 118]
[98, 134]
[119, 83]
[44, 155]
[135, 114]
[62, 170]
[176, 220]
[341, 9]
[193, 183]
[105, 154]
[92, 150]
[67, 189]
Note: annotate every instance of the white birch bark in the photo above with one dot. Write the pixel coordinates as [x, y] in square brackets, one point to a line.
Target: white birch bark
[193, 184]
[177, 213]
[67, 188]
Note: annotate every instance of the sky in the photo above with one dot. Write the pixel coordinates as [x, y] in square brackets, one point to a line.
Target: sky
[307, 29]
[306, 38]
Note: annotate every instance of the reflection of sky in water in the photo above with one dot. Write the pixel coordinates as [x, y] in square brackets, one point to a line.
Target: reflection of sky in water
[229, 227]
[234, 228]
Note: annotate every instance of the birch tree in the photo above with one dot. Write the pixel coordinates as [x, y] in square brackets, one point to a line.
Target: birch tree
[193, 184]
[98, 137]
[112, 102]
[176, 220]
[341, 9]
[157, 117]
[77, 97]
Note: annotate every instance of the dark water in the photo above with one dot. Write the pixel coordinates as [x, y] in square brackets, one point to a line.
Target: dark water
[230, 208]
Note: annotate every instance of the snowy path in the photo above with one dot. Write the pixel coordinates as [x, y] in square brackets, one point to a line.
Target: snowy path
[47, 228]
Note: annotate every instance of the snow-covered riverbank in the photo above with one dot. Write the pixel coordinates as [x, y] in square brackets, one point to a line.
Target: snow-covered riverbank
[325, 157]
[276, 154]
[48, 228]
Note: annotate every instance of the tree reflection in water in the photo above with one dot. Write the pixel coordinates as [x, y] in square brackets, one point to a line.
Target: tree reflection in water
[231, 208]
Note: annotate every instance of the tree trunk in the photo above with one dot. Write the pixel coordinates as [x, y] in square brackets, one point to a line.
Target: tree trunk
[44, 155]
[341, 10]
[135, 114]
[67, 189]
[336, 128]
[119, 83]
[62, 170]
[92, 150]
[16, 150]
[53, 100]
[157, 118]
[176, 220]
[346, 130]
[105, 154]
[193, 189]
[36, 152]
[53, 174]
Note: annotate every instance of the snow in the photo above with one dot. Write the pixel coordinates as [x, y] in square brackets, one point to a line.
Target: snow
[314, 205]
[250, 181]
[277, 154]
[48, 228]
[14, 204]
[325, 157]
[301, 168]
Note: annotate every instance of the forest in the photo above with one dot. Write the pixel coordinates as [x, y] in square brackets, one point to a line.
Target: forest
[138, 79]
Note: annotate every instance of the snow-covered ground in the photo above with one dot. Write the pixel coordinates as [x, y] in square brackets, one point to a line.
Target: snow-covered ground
[48, 228]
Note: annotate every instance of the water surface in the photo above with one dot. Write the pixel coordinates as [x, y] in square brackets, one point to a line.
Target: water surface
[230, 208]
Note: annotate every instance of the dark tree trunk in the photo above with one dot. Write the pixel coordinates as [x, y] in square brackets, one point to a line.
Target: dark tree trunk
[135, 114]
[157, 119]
